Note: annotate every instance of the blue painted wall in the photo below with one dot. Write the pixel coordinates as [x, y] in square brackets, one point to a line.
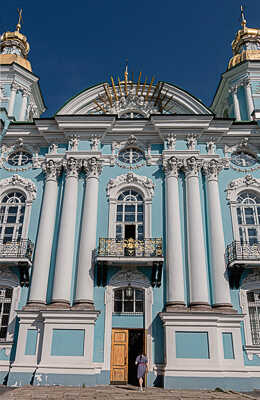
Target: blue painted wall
[68, 342]
[192, 345]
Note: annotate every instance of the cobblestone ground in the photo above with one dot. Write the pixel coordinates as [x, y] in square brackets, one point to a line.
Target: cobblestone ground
[117, 393]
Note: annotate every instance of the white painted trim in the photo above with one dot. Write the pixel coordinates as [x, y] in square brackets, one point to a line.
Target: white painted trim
[122, 279]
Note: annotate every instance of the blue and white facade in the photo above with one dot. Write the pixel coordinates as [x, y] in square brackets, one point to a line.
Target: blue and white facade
[135, 210]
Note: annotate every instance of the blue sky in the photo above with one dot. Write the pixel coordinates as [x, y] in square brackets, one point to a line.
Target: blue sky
[78, 44]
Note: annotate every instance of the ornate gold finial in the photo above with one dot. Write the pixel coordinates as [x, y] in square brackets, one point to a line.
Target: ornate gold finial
[243, 20]
[18, 26]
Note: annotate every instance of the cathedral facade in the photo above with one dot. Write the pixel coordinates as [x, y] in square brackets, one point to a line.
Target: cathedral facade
[130, 223]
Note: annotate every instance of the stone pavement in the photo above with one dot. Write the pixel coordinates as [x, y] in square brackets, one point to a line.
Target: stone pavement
[117, 393]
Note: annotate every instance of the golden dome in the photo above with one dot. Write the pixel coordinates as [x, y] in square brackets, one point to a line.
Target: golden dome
[246, 45]
[14, 47]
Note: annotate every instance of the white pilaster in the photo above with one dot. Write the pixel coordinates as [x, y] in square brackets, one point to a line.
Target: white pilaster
[85, 276]
[23, 106]
[65, 250]
[42, 258]
[196, 242]
[233, 91]
[249, 99]
[221, 290]
[174, 265]
[14, 88]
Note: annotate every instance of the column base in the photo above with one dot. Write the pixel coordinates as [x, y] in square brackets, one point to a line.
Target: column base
[224, 308]
[35, 306]
[83, 305]
[200, 307]
[175, 306]
[58, 305]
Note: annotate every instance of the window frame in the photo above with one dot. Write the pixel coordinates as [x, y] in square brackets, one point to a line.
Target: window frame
[124, 301]
[17, 183]
[141, 184]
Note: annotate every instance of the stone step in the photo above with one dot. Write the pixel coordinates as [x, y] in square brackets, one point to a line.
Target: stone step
[116, 393]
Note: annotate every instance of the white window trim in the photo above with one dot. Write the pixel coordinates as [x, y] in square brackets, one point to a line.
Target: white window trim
[251, 282]
[233, 190]
[25, 186]
[141, 184]
[137, 280]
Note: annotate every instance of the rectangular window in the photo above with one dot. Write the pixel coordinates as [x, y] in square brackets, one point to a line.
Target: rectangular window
[5, 303]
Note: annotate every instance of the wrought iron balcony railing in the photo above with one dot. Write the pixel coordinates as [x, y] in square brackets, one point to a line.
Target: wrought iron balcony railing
[16, 249]
[242, 251]
[130, 247]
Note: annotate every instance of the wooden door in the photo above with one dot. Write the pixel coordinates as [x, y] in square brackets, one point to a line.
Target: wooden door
[119, 356]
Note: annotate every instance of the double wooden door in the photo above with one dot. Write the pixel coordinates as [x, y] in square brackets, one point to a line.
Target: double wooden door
[127, 344]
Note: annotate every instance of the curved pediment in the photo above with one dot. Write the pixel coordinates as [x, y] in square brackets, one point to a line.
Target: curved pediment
[133, 100]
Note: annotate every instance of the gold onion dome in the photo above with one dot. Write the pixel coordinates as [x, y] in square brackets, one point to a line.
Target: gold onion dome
[246, 46]
[14, 47]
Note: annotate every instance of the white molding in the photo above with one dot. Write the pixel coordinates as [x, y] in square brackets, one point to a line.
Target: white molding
[122, 279]
[130, 181]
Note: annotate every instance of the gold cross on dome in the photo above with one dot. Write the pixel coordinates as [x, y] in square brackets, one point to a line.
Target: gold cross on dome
[18, 26]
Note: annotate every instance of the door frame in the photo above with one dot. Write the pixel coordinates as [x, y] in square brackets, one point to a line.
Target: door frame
[120, 279]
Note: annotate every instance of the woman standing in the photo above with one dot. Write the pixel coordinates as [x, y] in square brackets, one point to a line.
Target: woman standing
[141, 362]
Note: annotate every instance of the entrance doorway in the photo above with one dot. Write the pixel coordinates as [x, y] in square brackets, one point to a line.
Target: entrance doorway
[127, 344]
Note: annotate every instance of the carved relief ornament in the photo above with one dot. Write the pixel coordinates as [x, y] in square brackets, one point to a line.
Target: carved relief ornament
[16, 181]
[145, 184]
[72, 167]
[237, 185]
[212, 168]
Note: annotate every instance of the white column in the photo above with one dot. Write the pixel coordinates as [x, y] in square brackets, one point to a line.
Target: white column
[221, 290]
[199, 296]
[249, 99]
[233, 91]
[42, 258]
[174, 256]
[14, 89]
[23, 106]
[85, 276]
[65, 249]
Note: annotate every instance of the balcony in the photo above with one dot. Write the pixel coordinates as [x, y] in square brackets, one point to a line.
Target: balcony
[17, 253]
[239, 256]
[129, 252]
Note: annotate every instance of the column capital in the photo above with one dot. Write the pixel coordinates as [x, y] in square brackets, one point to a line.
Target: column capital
[72, 167]
[246, 82]
[192, 166]
[25, 93]
[233, 89]
[15, 86]
[212, 168]
[51, 169]
[92, 167]
[172, 166]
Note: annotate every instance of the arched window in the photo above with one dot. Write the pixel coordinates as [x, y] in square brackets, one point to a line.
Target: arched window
[12, 211]
[248, 216]
[253, 302]
[128, 300]
[130, 215]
